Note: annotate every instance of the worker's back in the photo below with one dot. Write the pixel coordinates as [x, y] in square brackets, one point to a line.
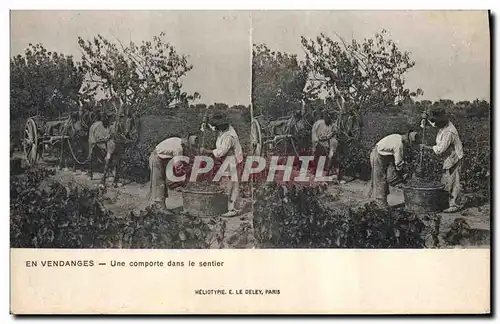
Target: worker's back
[388, 143]
[169, 148]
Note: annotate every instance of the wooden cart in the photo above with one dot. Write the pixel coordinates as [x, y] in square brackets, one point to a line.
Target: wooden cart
[266, 135]
[40, 135]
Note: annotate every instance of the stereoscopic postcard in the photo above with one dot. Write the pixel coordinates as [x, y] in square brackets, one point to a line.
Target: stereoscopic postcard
[250, 162]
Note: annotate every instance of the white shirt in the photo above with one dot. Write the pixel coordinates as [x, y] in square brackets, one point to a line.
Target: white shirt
[228, 143]
[449, 145]
[323, 134]
[392, 145]
[169, 148]
[101, 133]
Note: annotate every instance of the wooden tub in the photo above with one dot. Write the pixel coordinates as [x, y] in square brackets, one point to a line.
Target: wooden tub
[204, 203]
[421, 199]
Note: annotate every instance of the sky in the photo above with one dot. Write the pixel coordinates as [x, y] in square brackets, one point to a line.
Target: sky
[451, 48]
[217, 43]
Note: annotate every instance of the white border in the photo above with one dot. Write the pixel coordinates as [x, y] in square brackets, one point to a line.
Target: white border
[187, 4]
[257, 5]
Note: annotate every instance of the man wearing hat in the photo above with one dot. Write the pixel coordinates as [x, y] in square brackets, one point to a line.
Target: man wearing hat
[388, 153]
[227, 145]
[449, 146]
[158, 161]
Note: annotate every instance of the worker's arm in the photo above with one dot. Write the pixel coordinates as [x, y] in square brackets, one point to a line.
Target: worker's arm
[398, 157]
[313, 146]
[326, 137]
[226, 144]
[326, 133]
[314, 132]
[205, 151]
[107, 134]
[314, 136]
[444, 143]
[178, 165]
[333, 147]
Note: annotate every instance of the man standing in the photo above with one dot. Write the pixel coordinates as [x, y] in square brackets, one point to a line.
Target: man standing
[227, 146]
[388, 152]
[158, 161]
[325, 143]
[449, 146]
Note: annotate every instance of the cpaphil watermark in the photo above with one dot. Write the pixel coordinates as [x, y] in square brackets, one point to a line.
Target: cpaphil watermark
[284, 168]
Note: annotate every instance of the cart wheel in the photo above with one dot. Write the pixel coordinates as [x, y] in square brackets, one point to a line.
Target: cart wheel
[30, 142]
[256, 138]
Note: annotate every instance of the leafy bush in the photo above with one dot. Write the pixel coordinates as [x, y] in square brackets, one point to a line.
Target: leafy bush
[46, 214]
[461, 233]
[355, 159]
[476, 170]
[154, 229]
[135, 164]
[475, 136]
[300, 218]
[43, 82]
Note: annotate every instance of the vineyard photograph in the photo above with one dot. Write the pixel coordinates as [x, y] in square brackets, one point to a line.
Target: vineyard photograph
[393, 119]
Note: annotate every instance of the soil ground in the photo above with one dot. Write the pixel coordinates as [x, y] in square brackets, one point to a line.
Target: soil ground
[132, 197]
[478, 217]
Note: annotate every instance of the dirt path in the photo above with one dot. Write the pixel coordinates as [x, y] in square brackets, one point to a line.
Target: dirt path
[132, 197]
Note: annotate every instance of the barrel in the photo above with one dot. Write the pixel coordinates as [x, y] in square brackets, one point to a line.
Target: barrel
[204, 203]
[423, 199]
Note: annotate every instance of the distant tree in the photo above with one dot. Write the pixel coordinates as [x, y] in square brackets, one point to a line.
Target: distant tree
[201, 106]
[142, 76]
[278, 82]
[478, 108]
[239, 107]
[359, 76]
[447, 102]
[426, 103]
[218, 106]
[43, 82]
[418, 107]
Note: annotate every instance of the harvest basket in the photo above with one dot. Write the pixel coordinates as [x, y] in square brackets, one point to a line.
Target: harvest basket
[204, 203]
[424, 197]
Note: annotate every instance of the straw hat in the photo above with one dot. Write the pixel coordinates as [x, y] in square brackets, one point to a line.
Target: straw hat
[438, 115]
[219, 119]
